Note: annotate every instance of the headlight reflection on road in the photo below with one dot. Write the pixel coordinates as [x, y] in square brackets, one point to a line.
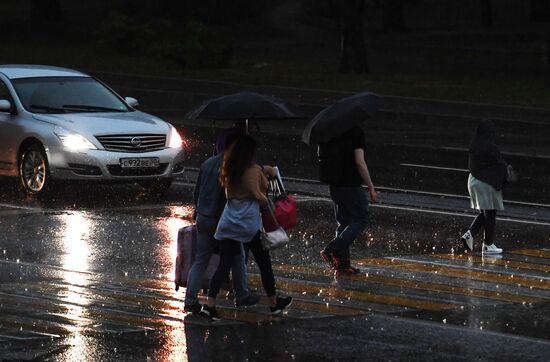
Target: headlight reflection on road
[76, 261]
[168, 229]
[75, 241]
[175, 343]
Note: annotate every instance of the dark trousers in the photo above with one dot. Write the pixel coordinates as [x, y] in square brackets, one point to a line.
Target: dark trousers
[485, 219]
[352, 215]
[263, 259]
[228, 250]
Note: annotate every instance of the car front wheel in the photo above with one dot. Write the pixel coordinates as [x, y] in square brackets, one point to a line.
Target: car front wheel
[33, 169]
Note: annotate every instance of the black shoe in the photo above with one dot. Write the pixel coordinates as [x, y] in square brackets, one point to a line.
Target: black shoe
[192, 309]
[349, 270]
[280, 305]
[249, 300]
[210, 312]
[344, 267]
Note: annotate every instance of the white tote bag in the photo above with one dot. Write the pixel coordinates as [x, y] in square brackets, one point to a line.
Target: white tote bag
[276, 238]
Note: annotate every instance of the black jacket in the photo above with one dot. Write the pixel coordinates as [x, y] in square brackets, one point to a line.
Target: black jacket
[485, 160]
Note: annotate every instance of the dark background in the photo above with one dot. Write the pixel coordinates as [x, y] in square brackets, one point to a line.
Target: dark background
[481, 51]
[475, 50]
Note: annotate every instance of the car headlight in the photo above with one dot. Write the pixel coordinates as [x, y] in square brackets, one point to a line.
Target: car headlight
[175, 139]
[73, 141]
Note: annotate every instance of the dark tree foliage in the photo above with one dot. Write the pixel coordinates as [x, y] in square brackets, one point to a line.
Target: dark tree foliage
[486, 13]
[349, 16]
[540, 10]
[168, 30]
[233, 14]
[46, 11]
[392, 15]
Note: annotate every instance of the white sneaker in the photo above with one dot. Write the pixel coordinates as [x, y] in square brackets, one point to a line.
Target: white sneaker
[490, 249]
[468, 240]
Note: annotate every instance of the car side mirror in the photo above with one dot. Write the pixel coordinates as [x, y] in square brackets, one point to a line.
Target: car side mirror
[5, 105]
[132, 102]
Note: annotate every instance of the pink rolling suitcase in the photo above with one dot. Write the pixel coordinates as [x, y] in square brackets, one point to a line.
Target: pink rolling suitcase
[186, 250]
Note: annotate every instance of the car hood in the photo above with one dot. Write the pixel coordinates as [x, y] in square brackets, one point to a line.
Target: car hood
[91, 124]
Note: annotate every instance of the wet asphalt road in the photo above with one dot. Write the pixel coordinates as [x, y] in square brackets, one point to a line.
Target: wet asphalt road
[87, 276]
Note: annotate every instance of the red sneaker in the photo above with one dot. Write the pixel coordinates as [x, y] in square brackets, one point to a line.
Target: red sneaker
[330, 259]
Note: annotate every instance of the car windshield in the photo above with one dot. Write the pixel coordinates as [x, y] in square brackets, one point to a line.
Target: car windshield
[67, 95]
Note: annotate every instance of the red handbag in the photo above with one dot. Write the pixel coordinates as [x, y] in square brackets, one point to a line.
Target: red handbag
[286, 213]
[283, 205]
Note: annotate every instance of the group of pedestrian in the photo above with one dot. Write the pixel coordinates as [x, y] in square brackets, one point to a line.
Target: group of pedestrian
[232, 187]
[343, 168]
[229, 192]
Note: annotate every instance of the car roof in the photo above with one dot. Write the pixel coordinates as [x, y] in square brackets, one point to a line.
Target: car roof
[14, 71]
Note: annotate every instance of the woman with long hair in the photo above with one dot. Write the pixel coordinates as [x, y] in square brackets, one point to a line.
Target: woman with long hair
[487, 178]
[246, 189]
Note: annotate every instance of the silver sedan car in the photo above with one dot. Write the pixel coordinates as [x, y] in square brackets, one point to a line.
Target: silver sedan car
[61, 124]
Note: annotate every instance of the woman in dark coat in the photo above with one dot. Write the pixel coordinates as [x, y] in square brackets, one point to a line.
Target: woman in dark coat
[487, 178]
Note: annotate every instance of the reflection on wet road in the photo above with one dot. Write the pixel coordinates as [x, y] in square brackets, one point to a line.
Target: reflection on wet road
[105, 266]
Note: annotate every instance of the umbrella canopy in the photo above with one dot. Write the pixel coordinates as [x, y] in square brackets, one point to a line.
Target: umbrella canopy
[245, 106]
[341, 116]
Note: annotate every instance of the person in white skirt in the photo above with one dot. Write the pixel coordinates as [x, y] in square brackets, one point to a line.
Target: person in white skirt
[485, 183]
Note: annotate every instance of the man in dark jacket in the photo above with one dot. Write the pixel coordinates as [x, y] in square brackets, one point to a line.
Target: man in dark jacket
[343, 167]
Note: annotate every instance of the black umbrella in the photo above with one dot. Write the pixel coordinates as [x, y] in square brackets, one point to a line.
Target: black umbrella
[340, 117]
[245, 106]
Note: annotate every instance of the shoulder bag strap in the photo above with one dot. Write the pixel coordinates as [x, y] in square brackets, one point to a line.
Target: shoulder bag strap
[270, 207]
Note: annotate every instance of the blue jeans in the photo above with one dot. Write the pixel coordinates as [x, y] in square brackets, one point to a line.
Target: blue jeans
[352, 216]
[206, 246]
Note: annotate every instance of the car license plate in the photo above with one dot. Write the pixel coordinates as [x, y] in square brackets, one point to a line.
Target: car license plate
[142, 162]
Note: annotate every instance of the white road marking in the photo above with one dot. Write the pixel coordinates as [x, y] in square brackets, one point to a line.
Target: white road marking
[474, 267]
[45, 335]
[431, 211]
[464, 149]
[428, 211]
[21, 207]
[434, 167]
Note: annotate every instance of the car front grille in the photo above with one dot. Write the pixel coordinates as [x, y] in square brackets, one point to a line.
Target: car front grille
[133, 142]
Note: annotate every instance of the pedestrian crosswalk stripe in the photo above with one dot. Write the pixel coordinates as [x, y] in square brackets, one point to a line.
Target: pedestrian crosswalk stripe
[34, 324]
[33, 303]
[326, 290]
[320, 307]
[91, 313]
[457, 272]
[121, 304]
[540, 253]
[494, 261]
[421, 285]
[327, 308]
[108, 297]
[164, 313]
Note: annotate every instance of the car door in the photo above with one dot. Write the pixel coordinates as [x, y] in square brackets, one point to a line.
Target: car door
[9, 134]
